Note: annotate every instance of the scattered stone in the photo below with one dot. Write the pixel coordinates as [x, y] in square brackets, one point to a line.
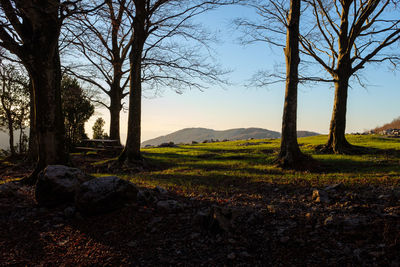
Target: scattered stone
[154, 221]
[245, 254]
[284, 239]
[194, 235]
[223, 218]
[8, 190]
[231, 256]
[320, 196]
[132, 244]
[160, 190]
[104, 194]
[146, 197]
[57, 184]
[335, 187]
[69, 212]
[169, 205]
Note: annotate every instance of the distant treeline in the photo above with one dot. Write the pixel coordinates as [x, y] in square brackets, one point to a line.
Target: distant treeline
[395, 124]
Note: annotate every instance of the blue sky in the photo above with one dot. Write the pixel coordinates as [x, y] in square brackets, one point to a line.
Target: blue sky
[237, 106]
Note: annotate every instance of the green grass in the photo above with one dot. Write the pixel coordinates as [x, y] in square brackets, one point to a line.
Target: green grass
[228, 166]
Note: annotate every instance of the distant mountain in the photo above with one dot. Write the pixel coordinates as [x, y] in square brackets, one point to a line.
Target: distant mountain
[188, 135]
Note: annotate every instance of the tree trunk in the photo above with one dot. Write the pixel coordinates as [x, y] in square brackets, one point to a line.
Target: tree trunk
[11, 135]
[131, 152]
[337, 142]
[115, 109]
[49, 121]
[290, 155]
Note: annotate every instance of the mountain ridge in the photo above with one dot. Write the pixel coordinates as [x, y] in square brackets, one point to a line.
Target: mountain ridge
[199, 134]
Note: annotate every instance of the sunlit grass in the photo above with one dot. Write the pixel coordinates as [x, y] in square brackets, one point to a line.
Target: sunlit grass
[226, 166]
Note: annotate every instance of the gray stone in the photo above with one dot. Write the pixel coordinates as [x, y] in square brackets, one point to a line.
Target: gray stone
[146, 197]
[223, 218]
[69, 212]
[8, 190]
[57, 184]
[231, 256]
[104, 194]
[335, 187]
[160, 190]
[169, 205]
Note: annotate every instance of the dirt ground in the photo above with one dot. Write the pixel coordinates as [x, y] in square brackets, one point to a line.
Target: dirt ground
[260, 225]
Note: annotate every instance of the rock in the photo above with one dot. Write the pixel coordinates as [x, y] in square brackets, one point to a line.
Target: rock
[132, 244]
[169, 205]
[104, 194]
[8, 190]
[352, 222]
[335, 187]
[320, 196]
[231, 256]
[160, 190]
[284, 239]
[200, 219]
[146, 197]
[245, 254]
[69, 212]
[194, 235]
[223, 218]
[57, 184]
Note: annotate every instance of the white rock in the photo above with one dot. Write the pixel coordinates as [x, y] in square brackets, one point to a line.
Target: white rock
[57, 184]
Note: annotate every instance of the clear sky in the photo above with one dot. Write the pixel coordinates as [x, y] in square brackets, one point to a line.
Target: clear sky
[237, 106]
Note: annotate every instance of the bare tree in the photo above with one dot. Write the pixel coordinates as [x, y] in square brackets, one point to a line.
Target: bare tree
[104, 39]
[275, 18]
[344, 36]
[30, 30]
[156, 24]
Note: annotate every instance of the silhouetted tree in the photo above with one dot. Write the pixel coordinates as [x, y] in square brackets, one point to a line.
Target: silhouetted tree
[274, 19]
[14, 103]
[98, 131]
[104, 39]
[77, 109]
[155, 59]
[31, 30]
[344, 36]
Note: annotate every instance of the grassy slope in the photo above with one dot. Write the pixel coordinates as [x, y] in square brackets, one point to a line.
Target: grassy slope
[227, 166]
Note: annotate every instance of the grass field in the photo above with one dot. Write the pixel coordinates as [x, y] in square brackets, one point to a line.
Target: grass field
[227, 166]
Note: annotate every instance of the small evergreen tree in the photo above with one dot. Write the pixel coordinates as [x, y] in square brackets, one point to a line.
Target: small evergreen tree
[98, 131]
[77, 109]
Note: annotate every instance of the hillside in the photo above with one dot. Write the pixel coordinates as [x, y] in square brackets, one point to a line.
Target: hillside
[188, 135]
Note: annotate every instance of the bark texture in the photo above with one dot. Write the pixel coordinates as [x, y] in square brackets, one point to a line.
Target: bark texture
[115, 109]
[131, 152]
[290, 155]
[39, 30]
[337, 142]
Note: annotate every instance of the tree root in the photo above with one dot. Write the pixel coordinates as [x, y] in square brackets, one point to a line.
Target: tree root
[298, 162]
